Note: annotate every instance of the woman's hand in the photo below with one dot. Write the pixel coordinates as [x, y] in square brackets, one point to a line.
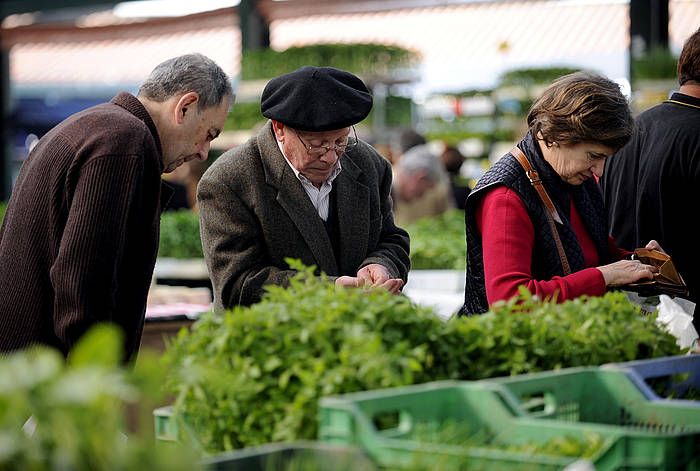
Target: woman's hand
[624, 272]
[654, 245]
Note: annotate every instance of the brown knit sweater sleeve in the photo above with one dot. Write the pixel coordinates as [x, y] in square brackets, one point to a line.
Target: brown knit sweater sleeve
[85, 272]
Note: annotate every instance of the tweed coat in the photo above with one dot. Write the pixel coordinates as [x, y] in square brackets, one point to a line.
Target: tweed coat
[254, 213]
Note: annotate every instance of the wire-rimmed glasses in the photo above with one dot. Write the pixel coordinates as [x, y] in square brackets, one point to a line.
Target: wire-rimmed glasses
[339, 149]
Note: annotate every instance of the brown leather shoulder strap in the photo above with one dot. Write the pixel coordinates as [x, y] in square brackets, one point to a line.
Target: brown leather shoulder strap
[551, 211]
[534, 178]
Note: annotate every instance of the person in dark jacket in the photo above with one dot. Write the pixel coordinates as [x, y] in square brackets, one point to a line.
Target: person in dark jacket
[304, 187]
[80, 237]
[578, 122]
[653, 182]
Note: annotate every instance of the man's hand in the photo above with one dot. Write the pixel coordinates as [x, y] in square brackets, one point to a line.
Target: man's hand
[375, 274]
[348, 281]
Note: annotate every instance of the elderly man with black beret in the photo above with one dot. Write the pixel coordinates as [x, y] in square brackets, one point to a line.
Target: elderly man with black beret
[304, 187]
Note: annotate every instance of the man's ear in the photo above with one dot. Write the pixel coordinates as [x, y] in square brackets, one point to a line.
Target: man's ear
[186, 103]
[279, 130]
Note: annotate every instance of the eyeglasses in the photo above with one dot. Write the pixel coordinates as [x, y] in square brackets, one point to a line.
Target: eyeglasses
[339, 149]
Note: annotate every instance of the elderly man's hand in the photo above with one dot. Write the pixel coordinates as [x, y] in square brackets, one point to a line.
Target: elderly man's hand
[375, 274]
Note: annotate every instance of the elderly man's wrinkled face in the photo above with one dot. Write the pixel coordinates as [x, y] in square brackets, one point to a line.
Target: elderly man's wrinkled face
[195, 133]
[313, 154]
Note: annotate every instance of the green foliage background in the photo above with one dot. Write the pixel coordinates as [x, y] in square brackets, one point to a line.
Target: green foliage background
[365, 59]
[534, 75]
[657, 64]
[439, 242]
[179, 235]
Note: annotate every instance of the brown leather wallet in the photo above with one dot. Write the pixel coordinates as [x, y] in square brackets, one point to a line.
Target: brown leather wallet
[666, 281]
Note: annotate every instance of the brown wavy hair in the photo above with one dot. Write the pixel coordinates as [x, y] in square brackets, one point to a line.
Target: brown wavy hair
[582, 107]
[689, 60]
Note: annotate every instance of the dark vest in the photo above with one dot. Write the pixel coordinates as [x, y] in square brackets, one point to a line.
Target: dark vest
[331, 225]
[545, 259]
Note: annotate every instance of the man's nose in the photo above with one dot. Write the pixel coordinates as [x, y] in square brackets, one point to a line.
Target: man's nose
[331, 155]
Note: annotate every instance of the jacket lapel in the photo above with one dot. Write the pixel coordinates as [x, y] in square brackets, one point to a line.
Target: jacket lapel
[352, 198]
[294, 200]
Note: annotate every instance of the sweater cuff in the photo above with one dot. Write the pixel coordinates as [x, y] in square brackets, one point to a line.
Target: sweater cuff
[589, 281]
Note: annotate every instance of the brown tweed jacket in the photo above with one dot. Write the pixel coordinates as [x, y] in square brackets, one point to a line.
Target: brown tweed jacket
[254, 213]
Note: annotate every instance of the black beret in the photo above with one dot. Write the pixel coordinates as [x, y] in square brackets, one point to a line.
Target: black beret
[316, 99]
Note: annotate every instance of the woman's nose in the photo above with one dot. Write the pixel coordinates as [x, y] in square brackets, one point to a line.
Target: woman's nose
[598, 168]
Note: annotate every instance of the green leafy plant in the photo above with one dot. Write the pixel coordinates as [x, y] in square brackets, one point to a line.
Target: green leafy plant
[3, 208]
[462, 434]
[526, 334]
[254, 375]
[76, 410]
[179, 235]
[439, 242]
[244, 116]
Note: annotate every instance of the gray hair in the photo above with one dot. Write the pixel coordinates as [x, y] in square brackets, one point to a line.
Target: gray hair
[188, 73]
[420, 158]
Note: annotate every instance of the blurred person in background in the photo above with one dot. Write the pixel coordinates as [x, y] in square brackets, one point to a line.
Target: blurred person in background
[403, 141]
[452, 159]
[652, 184]
[560, 249]
[79, 241]
[184, 181]
[176, 182]
[304, 187]
[421, 186]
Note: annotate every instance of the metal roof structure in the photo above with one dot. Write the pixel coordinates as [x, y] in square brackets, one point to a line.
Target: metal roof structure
[118, 54]
[464, 43]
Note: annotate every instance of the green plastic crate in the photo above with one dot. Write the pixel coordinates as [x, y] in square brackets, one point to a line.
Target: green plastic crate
[290, 456]
[400, 428]
[594, 395]
[293, 456]
[171, 430]
[165, 426]
[673, 378]
[662, 435]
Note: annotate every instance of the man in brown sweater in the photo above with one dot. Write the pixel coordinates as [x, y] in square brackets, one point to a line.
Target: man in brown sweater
[80, 236]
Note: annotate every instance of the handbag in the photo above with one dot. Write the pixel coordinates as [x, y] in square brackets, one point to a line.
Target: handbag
[666, 281]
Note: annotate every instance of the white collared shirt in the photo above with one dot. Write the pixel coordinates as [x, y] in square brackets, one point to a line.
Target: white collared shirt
[320, 197]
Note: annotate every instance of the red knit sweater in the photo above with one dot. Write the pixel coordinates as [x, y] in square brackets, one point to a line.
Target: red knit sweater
[508, 238]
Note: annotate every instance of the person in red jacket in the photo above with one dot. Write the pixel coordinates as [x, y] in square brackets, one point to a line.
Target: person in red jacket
[559, 249]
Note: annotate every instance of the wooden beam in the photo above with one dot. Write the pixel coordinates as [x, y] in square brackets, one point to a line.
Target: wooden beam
[13, 7]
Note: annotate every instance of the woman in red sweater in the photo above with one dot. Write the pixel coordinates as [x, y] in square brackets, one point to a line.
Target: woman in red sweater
[536, 218]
